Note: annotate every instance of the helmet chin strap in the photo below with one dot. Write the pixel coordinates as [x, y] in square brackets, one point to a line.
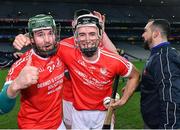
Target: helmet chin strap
[90, 51]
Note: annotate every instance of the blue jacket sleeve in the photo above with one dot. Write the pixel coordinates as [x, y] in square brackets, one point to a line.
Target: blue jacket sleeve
[6, 103]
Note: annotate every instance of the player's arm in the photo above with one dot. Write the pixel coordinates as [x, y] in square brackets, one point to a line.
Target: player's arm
[129, 88]
[27, 77]
[8, 96]
[107, 43]
[21, 41]
[6, 103]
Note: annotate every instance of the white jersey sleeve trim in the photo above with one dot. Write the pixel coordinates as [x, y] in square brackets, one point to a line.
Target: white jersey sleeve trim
[129, 70]
[128, 64]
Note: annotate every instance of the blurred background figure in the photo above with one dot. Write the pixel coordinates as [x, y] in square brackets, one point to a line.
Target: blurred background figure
[8, 58]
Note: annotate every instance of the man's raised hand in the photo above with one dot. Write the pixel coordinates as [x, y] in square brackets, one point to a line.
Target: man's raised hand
[21, 41]
[101, 18]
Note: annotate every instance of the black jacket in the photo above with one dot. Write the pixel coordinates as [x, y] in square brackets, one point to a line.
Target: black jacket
[160, 82]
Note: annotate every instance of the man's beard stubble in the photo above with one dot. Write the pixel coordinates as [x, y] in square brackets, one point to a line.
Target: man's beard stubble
[146, 46]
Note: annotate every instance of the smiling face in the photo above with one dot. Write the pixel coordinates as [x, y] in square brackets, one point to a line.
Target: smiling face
[87, 39]
[87, 36]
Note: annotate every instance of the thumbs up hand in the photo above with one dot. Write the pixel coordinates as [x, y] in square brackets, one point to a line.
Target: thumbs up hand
[29, 75]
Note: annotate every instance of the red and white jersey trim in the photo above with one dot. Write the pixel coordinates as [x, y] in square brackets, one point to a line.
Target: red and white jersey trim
[112, 55]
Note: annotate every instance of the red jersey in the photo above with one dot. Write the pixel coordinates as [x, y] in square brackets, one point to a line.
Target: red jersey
[67, 92]
[92, 81]
[41, 104]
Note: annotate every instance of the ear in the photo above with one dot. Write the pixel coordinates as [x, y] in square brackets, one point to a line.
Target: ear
[32, 40]
[75, 39]
[155, 34]
[73, 23]
[76, 43]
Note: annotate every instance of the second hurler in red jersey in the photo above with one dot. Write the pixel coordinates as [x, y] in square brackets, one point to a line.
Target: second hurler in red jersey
[92, 80]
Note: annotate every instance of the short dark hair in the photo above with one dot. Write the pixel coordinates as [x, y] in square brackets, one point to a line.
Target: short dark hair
[80, 12]
[163, 24]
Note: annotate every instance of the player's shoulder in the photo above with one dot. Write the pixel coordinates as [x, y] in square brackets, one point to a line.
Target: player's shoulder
[17, 66]
[111, 55]
[108, 53]
[68, 42]
[23, 59]
[68, 39]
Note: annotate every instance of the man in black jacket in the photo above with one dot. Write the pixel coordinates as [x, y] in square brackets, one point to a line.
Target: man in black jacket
[160, 85]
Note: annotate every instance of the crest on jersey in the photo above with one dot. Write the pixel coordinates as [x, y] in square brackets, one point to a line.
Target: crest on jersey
[103, 71]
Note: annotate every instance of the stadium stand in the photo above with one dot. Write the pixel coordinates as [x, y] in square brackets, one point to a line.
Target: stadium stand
[124, 21]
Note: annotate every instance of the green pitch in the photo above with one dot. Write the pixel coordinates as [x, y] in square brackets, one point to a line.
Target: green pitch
[8, 120]
[127, 117]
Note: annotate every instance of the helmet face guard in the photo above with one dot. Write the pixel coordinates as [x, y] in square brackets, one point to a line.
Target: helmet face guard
[91, 21]
[40, 22]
